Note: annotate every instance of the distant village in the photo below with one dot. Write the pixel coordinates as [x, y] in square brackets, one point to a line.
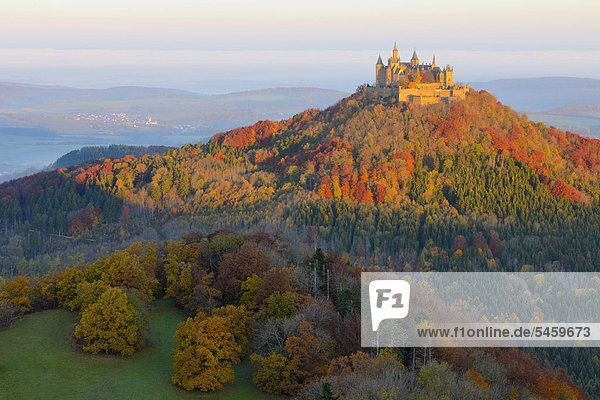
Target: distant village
[120, 119]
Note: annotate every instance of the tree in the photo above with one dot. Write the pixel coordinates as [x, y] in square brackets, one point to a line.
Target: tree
[43, 293]
[281, 305]
[110, 325]
[87, 294]
[134, 268]
[179, 268]
[270, 372]
[274, 280]
[327, 392]
[204, 354]
[67, 287]
[305, 359]
[436, 380]
[479, 241]
[8, 313]
[495, 243]
[16, 291]
[287, 374]
[239, 266]
[460, 243]
[204, 296]
[240, 324]
[249, 289]
[179, 281]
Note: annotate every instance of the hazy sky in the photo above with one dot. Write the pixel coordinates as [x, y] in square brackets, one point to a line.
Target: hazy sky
[225, 45]
[300, 25]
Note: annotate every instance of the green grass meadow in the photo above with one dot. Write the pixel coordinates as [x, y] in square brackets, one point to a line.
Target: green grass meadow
[38, 361]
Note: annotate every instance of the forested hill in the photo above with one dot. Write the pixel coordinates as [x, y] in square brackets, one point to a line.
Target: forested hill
[89, 153]
[473, 185]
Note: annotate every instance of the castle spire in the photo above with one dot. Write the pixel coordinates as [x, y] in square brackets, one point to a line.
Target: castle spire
[433, 63]
[414, 61]
[379, 62]
[395, 52]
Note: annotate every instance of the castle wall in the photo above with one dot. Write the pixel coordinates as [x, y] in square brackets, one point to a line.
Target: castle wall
[421, 100]
[459, 93]
[430, 95]
[428, 86]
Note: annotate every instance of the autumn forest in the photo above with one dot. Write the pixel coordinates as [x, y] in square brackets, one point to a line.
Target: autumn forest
[260, 234]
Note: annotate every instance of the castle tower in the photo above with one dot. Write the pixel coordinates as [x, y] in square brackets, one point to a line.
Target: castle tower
[395, 53]
[414, 61]
[379, 69]
[433, 63]
[448, 76]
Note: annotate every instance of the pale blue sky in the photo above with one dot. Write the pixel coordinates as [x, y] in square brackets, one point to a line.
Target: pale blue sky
[226, 45]
[300, 25]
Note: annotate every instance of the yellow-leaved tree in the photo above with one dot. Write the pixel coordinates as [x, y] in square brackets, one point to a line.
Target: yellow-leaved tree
[270, 373]
[110, 325]
[133, 268]
[205, 352]
[240, 325]
[16, 291]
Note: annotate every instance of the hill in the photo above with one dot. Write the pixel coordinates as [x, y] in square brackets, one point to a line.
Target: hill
[423, 179]
[469, 186]
[10, 171]
[584, 120]
[84, 154]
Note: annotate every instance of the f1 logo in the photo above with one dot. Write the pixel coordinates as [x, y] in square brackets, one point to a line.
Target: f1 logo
[389, 299]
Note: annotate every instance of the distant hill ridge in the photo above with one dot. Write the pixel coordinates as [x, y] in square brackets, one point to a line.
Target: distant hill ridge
[91, 153]
[544, 94]
[21, 95]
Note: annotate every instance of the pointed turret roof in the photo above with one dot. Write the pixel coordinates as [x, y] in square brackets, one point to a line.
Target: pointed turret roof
[395, 47]
[414, 57]
[379, 60]
[433, 63]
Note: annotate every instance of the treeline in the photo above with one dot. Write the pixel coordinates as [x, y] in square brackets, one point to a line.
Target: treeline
[295, 315]
[92, 153]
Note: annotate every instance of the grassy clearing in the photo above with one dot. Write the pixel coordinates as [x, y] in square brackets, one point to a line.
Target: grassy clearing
[38, 361]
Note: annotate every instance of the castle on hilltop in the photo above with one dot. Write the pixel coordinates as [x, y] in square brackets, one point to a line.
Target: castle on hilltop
[415, 82]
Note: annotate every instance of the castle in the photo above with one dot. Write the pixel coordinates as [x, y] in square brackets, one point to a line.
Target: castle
[415, 82]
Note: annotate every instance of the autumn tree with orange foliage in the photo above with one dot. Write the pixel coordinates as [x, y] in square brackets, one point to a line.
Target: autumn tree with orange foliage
[287, 374]
[239, 266]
